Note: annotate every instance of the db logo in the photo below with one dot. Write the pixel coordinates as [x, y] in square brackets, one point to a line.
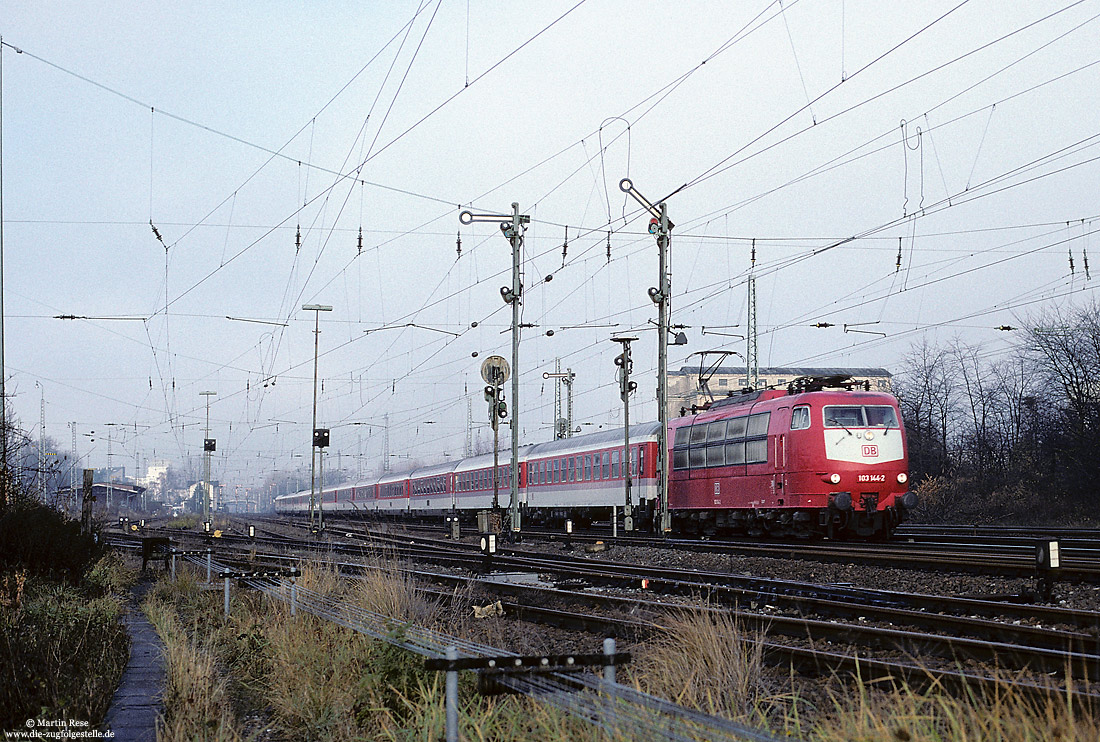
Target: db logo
[870, 451]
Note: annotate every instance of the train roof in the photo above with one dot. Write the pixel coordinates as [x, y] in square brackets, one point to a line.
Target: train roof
[433, 470]
[485, 460]
[788, 371]
[601, 439]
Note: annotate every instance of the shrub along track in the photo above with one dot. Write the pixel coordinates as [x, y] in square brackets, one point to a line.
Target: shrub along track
[605, 597]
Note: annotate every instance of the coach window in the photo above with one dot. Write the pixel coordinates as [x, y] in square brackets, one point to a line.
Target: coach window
[641, 461]
[614, 464]
[606, 465]
[634, 461]
[588, 468]
[557, 470]
[800, 418]
[572, 472]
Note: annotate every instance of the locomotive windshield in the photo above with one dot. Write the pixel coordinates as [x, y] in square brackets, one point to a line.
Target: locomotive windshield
[856, 416]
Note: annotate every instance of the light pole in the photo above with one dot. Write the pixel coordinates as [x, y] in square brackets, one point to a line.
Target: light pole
[316, 309]
[208, 445]
[661, 295]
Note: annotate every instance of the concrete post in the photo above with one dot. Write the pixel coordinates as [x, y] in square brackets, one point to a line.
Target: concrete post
[609, 650]
[452, 698]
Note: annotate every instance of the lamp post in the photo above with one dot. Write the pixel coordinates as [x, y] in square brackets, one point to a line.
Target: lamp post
[208, 445]
[316, 309]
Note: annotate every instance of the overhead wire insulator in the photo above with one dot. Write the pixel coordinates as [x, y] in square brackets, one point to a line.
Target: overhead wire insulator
[565, 246]
[752, 263]
[458, 244]
[1085, 258]
[298, 239]
[609, 246]
[360, 240]
[897, 265]
[1071, 271]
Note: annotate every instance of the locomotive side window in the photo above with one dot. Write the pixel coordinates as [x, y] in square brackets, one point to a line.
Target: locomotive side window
[756, 452]
[716, 455]
[679, 458]
[758, 424]
[716, 431]
[800, 418]
[735, 453]
[698, 434]
[682, 436]
[697, 457]
[736, 428]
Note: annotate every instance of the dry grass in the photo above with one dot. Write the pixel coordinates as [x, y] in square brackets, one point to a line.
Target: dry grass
[706, 660]
[902, 714]
[393, 592]
[196, 698]
[312, 679]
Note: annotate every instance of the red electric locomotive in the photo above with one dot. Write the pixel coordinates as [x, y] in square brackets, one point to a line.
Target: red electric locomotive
[824, 456]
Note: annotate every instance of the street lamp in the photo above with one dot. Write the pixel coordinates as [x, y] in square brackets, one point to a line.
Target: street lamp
[316, 309]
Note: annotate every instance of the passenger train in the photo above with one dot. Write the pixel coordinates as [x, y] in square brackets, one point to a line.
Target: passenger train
[823, 457]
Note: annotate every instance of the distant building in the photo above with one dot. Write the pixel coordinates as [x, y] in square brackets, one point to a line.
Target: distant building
[684, 387]
[112, 474]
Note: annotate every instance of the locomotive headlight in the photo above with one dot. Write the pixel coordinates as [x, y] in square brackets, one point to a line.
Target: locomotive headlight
[834, 479]
[903, 478]
[869, 435]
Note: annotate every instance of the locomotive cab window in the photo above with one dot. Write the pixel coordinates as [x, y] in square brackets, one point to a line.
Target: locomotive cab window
[881, 417]
[855, 416]
[800, 418]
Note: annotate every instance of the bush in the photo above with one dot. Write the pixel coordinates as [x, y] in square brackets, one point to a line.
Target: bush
[44, 541]
[61, 654]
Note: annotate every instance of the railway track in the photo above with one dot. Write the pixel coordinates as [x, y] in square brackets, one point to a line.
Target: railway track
[1000, 556]
[950, 630]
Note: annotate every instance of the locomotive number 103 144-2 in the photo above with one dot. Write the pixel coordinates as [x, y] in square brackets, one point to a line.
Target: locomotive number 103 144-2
[872, 477]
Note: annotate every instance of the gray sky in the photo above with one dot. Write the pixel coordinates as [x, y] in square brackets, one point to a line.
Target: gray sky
[233, 127]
